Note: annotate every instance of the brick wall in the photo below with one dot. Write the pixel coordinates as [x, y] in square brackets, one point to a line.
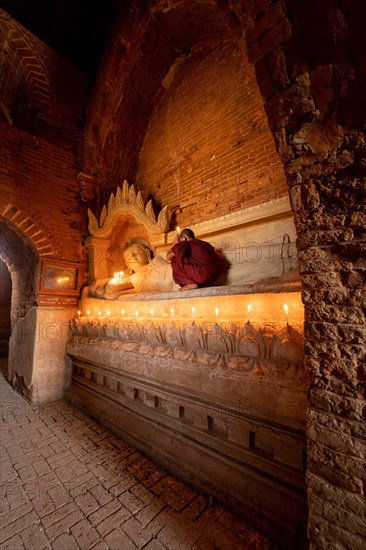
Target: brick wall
[38, 181]
[41, 92]
[208, 150]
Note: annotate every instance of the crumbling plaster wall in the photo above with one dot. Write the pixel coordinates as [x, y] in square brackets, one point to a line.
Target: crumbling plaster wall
[310, 69]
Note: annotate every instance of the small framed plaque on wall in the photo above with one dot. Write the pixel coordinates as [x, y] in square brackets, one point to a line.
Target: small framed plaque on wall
[59, 278]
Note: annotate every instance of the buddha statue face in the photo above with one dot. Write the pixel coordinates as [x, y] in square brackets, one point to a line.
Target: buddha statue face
[136, 257]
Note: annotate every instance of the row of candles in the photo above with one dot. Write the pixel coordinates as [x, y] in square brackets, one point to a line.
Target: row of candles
[172, 312]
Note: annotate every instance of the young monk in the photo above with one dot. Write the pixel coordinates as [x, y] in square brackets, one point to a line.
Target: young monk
[194, 262]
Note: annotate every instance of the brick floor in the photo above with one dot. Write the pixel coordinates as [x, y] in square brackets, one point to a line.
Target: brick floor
[69, 483]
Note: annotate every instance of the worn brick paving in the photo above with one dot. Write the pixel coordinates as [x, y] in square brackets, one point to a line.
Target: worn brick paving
[69, 483]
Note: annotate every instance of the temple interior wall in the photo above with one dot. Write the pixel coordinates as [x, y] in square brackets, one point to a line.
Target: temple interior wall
[208, 149]
[309, 67]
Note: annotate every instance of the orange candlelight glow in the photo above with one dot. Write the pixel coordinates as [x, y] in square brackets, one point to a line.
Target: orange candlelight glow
[118, 277]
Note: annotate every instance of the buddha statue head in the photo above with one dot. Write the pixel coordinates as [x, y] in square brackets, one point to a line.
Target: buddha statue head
[136, 256]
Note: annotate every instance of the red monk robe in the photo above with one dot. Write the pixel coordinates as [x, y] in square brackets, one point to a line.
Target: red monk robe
[194, 261]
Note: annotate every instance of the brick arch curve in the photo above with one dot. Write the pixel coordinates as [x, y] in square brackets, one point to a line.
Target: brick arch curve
[30, 229]
[24, 82]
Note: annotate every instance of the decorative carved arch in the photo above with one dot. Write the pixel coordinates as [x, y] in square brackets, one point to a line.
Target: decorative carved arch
[126, 201]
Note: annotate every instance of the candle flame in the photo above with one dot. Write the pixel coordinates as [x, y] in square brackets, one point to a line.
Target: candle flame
[137, 313]
[122, 312]
[285, 307]
[193, 310]
[118, 278]
[216, 311]
[178, 229]
[249, 308]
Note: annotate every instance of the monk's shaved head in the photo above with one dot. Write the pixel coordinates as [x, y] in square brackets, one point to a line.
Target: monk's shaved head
[187, 233]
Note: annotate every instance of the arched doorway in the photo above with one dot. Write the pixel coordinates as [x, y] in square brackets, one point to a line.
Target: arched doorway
[18, 272]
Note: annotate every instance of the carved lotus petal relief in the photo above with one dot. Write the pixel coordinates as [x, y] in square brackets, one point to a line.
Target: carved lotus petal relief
[287, 346]
[163, 351]
[173, 336]
[146, 349]
[207, 358]
[125, 190]
[103, 216]
[135, 332]
[183, 354]
[118, 199]
[219, 340]
[241, 363]
[111, 330]
[194, 337]
[250, 342]
[153, 334]
[93, 329]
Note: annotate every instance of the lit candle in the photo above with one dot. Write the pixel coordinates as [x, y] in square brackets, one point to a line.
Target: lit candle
[137, 314]
[178, 229]
[193, 311]
[99, 314]
[152, 312]
[217, 311]
[249, 308]
[79, 313]
[122, 312]
[88, 313]
[285, 307]
[108, 313]
[172, 312]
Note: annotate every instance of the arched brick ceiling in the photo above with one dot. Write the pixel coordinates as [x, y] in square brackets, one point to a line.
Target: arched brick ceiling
[24, 84]
[76, 29]
[132, 79]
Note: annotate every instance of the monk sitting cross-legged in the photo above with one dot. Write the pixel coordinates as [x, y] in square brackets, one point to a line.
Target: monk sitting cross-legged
[194, 262]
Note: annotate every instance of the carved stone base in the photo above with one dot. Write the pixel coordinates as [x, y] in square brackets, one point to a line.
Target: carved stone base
[222, 406]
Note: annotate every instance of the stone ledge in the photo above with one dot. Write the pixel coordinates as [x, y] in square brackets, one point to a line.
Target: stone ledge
[268, 286]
